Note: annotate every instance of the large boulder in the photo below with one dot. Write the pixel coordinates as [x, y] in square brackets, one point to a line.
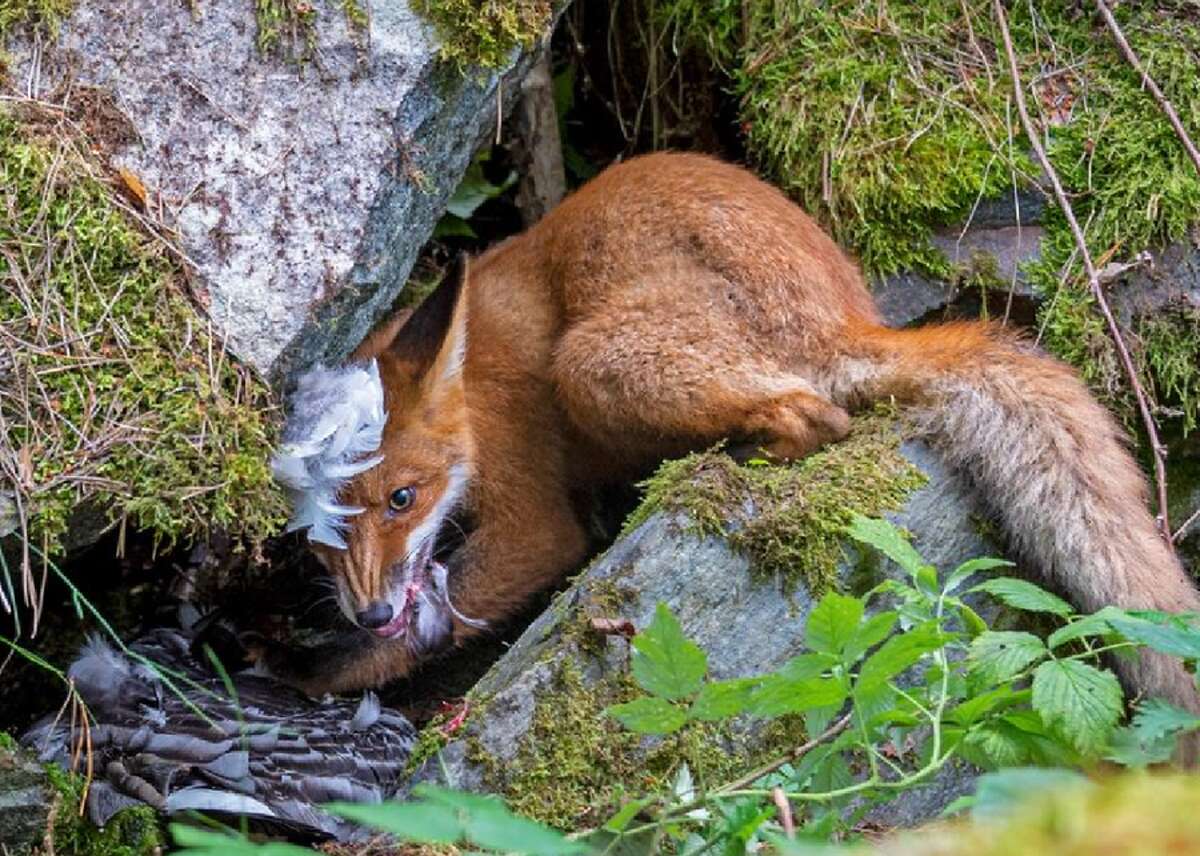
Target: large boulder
[536, 732]
[302, 186]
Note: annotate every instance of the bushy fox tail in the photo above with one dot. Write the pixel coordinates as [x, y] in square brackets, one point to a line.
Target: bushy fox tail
[1047, 458]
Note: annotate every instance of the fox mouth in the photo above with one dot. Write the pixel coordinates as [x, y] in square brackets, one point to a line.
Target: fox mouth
[421, 602]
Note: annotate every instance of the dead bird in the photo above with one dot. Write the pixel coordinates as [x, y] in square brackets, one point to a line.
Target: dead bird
[168, 731]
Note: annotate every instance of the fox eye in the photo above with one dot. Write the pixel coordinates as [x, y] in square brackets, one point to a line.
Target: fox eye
[402, 498]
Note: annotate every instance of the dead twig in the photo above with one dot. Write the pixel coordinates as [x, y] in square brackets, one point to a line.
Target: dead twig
[1187, 524]
[794, 755]
[785, 812]
[1159, 451]
[1148, 82]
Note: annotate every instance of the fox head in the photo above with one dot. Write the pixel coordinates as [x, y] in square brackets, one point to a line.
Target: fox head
[376, 457]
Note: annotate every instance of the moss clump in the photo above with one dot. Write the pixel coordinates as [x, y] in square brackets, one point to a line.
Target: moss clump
[289, 27]
[576, 764]
[483, 33]
[38, 14]
[1171, 344]
[115, 393]
[131, 832]
[789, 520]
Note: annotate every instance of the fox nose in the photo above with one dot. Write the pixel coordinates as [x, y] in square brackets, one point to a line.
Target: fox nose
[376, 615]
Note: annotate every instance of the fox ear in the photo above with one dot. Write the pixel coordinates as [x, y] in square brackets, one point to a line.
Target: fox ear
[434, 339]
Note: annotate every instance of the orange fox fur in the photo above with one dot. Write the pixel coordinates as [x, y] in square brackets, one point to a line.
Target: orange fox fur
[674, 301]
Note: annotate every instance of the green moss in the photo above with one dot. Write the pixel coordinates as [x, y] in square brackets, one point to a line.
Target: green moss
[483, 33]
[1171, 344]
[117, 393]
[789, 519]
[45, 15]
[131, 832]
[576, 765]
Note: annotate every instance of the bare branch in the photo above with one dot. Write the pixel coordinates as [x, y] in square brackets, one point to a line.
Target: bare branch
[1148, 83]
[1093, 276]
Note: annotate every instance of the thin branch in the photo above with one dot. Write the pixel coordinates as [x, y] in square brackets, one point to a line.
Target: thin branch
[1148, 83]
[1064, 204]
[1187, 524]
[794, 755]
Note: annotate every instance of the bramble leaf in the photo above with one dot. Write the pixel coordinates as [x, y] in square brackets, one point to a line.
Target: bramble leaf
[722, 699]
[898, 653]
[1081, 702]
[1022, 594]
[833, 623]
[887, 539]
[998, 655]
[649, 715]
[665, 662]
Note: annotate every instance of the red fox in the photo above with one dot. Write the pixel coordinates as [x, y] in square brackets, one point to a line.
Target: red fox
[670, 303]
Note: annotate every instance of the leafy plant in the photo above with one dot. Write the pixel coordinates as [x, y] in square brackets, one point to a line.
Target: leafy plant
[474, 190]
[895, 685]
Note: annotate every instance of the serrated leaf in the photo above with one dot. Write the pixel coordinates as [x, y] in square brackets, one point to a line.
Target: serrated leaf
[971, 710]
[1156, 718]
[500, 830]
[1022, 594]
[1081, 702]
[777, 695]
[1088, 625]
[898, 653]
[649, 715]
[665, 662]
[998, 655]
[1166, 637]
[722, 699]
[887, 539]
[969, 568]
[869, 634]
[832, 623]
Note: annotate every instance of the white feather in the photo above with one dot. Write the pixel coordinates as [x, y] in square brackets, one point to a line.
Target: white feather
[335, 423]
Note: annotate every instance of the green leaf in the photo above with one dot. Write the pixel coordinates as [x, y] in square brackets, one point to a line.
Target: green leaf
[649, 715]
[1156, 718]
[1167, 637]
[998, 655]
[777, 695]
[1081, 702]
[498, 829]
[1022, 594]
[1089, 625]
[887, 539]
[425, 822]
[969, 568]
[869, 634]
[194, 841]
[628, 812]
[722, 699]
[833, 623]
[665, 662]
[898, 653]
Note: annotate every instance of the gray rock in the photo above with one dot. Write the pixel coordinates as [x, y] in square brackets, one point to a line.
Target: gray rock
[301, 192]
[25, 799]
[746, 626]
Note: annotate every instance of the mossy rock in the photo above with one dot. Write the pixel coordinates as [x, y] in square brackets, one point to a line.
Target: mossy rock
[537, 733]
[40, 813]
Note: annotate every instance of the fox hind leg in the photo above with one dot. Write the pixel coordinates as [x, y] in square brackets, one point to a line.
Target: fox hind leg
[649, 383]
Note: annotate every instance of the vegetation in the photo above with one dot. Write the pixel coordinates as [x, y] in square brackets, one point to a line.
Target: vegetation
[789, 519]
[895, 685]
[119, 395]
[484, 33]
